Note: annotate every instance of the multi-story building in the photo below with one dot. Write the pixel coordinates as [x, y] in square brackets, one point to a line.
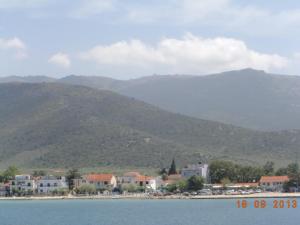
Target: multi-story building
[199, 169]
[138, 179]
[100, 181]
[4, 189]
[48, 184]
[23, 183]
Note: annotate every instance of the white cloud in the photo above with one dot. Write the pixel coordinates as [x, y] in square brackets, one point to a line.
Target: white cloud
[60, 59]
[91, 8]
[14, 45]
[189, 55]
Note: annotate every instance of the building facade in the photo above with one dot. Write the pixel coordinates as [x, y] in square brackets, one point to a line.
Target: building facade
[199, 169]
[48, 184]
[23, 183]
[4, 189]
[273, 183]
[100, 181]
[136, 178]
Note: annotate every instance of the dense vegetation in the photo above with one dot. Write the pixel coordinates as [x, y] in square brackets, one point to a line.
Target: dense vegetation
[57, 125]
[226, 172]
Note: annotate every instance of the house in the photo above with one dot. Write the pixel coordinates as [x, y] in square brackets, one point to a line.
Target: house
[100, 181]
[137, 179]
[172, 179]
[48, 184]
[4, 189]
[199, 169]
[23, 183]
[273, 183]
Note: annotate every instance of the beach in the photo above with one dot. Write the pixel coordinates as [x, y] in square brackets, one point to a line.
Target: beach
[147, 196]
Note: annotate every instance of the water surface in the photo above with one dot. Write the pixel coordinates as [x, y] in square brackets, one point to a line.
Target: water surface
[142, 212]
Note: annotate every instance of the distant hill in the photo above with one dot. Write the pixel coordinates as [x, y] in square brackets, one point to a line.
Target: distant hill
[58, 125]
[248, 98]
[27, 79]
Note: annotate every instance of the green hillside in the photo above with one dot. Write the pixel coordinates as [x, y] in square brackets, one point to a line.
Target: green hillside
[58, 125]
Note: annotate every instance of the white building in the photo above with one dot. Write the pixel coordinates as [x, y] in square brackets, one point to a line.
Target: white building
[100, 181]
[136, 178]
[199, 169]
[48, 184]
[23, 183]
[4, 189]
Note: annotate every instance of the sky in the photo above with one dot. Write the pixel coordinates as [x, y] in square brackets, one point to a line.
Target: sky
[126, 39]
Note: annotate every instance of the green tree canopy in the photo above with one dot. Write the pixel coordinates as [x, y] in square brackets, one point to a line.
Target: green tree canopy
[195, 183]
[71, 175]
[269, 168]
[10, 173]
[172, 169]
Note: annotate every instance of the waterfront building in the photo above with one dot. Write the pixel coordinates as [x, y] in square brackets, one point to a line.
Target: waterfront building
[273, 183]
[100, 181]
[23, 183]
[4, 189]
[137, 179]
[48, 184]
[199, 169]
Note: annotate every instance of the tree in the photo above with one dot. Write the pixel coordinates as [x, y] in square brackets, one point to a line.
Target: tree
[71, 175]
[281, 172]
[39, 173]
[172, 169]
[182, 185]
[163, 171]
[164, 177]
[86, 189]
[220, 169]
[293, 171]
[10, 173]
[178, 186]
[225, 181]
[268, 168]
[130, 188]
[195, 183]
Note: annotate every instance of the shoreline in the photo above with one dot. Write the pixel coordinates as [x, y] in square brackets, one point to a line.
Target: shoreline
[150, 197]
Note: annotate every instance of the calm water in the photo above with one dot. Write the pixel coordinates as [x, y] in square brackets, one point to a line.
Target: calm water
[141, 212]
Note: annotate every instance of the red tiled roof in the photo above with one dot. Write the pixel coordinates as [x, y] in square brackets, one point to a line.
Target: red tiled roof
[143, 178]
[99, 177]
[266, 179]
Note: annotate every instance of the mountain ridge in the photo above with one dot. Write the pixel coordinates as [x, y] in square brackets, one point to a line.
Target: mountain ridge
[59, 125]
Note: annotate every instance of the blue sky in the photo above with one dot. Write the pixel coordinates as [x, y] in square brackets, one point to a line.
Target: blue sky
[127, 39]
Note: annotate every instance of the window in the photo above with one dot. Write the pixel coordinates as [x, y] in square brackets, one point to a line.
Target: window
[105, 182]
[55, 184]
[41, 185]
[28, 184]
[48, 185]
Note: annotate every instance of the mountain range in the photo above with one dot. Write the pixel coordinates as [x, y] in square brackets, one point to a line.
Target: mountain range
[246, 98]
[54, 124]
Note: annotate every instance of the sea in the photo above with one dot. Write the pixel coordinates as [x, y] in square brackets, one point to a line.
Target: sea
[148, 212]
